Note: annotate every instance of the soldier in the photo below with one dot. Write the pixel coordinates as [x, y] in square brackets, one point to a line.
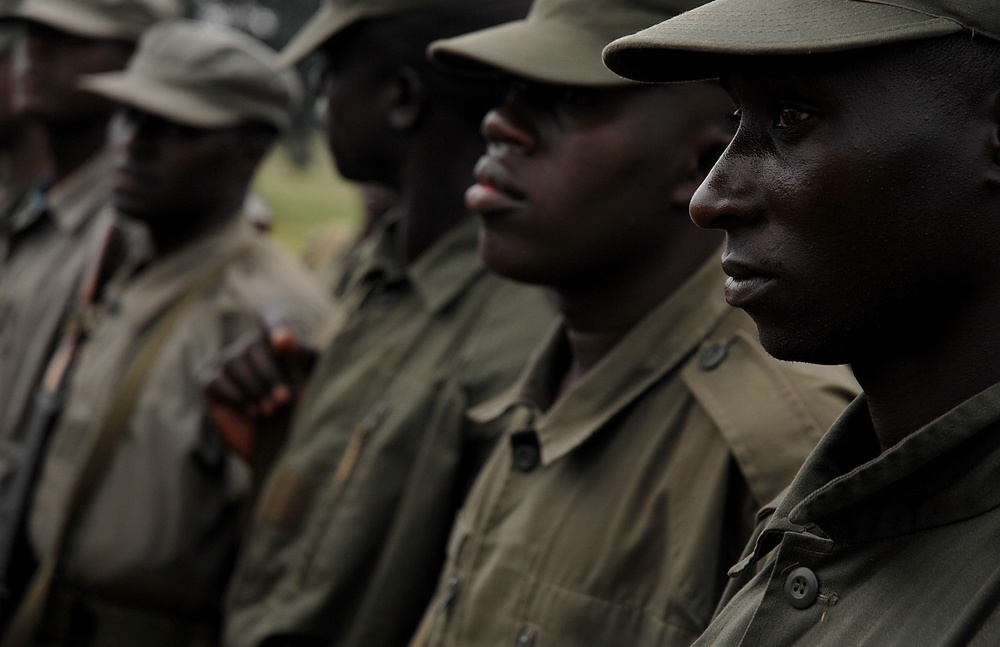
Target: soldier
[23, 149]
[349, 534]
[650, 426]
[44, 258]
[861, 201]
[137, 509]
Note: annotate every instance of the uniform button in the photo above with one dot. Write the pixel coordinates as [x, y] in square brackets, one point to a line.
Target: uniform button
[712, 356]
[526, 454]
[524, 640]
[801, 588]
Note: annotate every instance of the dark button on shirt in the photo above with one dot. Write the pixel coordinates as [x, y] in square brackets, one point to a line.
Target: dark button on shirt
[713, 355]
[801, 588]
[526, 453]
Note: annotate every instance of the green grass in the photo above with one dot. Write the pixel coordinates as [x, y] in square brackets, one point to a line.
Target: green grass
[309, 204]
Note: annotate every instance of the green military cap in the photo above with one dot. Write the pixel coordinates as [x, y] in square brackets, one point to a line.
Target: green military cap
[560, 41]
[202, 75]
[693, 45]
[336, 15]
[100, 19]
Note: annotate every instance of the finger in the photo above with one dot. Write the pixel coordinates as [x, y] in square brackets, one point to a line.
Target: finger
[235, 429]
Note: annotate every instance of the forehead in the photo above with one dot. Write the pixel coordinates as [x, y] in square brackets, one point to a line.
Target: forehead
[910, 68]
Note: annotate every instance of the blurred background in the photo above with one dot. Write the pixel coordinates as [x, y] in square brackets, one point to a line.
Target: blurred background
[312, 208]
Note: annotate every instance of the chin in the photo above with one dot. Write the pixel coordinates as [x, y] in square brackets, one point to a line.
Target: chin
[803, 345]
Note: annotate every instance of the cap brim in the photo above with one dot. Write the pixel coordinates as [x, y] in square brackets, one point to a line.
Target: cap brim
[164, 101]
[699, 44]
[73, 21]
[538, 50]
[326, 22]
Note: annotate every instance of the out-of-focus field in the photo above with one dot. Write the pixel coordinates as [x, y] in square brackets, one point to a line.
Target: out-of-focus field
[310, 205]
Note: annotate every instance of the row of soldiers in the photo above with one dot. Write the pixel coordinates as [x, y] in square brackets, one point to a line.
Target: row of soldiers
[541, 424]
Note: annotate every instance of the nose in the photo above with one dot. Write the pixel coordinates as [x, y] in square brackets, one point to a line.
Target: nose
[729, 195]
[507, 124]
[128, 133]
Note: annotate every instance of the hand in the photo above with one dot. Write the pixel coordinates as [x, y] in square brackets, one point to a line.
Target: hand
[256, 377]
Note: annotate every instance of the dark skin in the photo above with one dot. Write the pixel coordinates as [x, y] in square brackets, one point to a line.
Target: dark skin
[181, 180]
[586, 190]
[47, 65]
[386, 114]
[23, 145]
[858, 198]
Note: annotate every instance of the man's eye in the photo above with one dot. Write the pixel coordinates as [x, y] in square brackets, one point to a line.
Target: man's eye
[579, 96]
[735, 117]
[788, 117]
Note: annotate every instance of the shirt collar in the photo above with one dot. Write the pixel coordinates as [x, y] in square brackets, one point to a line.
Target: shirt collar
[942, 473]
[439, 275]
[655, 347]
[145, 294]
[78, 196]
[444, 270]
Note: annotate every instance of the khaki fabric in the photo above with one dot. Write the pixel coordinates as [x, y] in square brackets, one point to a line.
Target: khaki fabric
[202, 75]
[100, 19]
[560, 41]
[902, 545]
[45, 255]
[697, 44]
[349, 532]
[334, 16]
[612, 516]
[160, 533]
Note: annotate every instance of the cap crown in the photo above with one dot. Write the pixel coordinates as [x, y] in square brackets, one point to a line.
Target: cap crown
[695, 44]
[559, 42]
[124, 19]
[610, 18]
[204, 75]
[980, 16]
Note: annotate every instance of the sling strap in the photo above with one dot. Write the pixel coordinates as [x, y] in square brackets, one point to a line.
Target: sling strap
[21, 631]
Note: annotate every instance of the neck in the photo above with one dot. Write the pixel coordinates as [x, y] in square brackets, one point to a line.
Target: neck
[601, 310]
[169, 238]
[915, 378]
[432, 189]
[73, 144]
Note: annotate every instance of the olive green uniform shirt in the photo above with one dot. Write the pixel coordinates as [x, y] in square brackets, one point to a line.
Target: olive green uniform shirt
[41, 269]
[350, 530]
[610, 517]
[894, 549]
[160, 531]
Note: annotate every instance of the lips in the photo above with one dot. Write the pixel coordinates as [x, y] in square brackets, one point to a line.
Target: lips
[495, 190]
[129, 179]
[747, 283]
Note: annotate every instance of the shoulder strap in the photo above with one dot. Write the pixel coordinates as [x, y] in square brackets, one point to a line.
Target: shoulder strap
[752, 400]
[20, 632]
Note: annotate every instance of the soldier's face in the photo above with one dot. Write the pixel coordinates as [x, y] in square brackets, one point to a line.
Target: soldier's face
[847, 196]
[169, 175]
[48, 64]
[579, 185]
[352, 95]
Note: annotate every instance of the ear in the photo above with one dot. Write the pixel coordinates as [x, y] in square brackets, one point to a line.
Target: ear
[993, 174]
[405, 98]
[710, 143]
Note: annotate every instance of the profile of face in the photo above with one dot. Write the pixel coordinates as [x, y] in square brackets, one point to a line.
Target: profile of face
[47, 65]
[170, 175]
[848, 199]
[584, 184]
[352, 96]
